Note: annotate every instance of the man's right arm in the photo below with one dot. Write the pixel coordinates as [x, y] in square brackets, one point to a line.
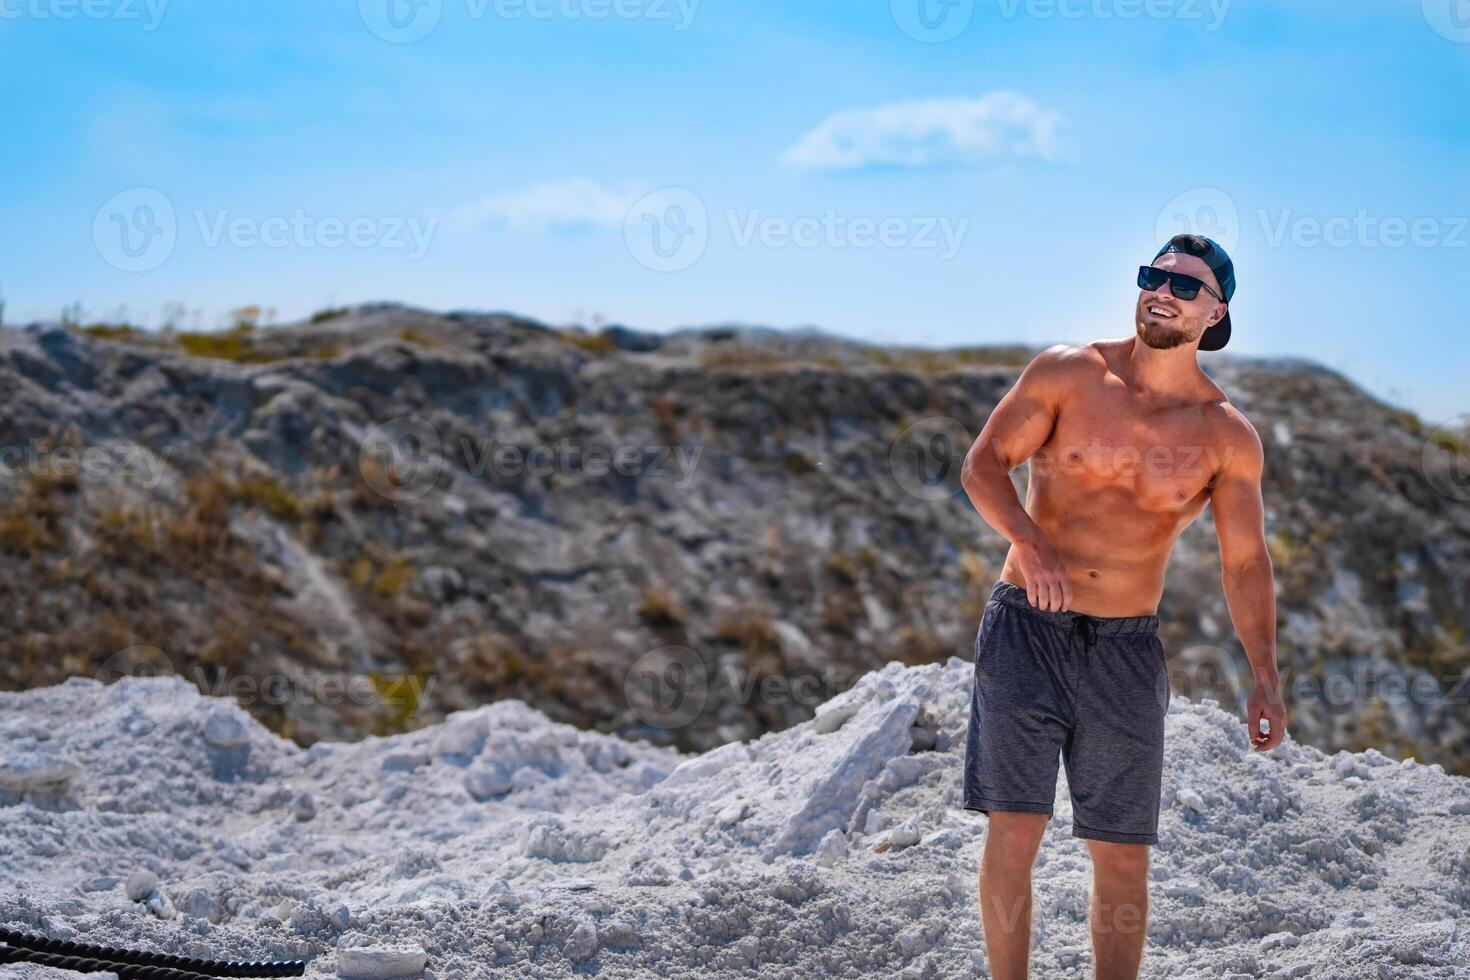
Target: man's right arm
[1020, 425]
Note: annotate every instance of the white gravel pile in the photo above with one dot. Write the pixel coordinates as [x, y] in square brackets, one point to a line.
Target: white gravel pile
[502, 844]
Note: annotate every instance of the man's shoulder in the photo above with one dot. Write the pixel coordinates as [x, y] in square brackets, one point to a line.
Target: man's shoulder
[1233, 431]
[1068, 360]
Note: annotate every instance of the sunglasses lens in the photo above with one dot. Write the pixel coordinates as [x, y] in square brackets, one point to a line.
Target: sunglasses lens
[1185, 287]
[1182, 286]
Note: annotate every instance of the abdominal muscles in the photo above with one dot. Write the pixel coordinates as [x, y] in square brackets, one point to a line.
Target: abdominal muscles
[1114, 545]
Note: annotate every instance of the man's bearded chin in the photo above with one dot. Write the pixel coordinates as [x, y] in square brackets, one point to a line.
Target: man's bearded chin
[1162, 338]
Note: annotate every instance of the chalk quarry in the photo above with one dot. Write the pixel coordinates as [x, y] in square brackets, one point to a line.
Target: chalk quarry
[502, 844]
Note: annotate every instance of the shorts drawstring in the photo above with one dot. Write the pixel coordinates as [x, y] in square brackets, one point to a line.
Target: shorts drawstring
[1087, 627]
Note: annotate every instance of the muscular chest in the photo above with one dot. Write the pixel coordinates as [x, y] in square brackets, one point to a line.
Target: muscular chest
[1164, 459]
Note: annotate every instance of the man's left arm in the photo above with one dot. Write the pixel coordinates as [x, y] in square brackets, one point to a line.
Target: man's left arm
[1240, 524]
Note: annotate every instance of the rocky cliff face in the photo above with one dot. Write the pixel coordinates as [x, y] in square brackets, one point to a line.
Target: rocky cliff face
[360, 523]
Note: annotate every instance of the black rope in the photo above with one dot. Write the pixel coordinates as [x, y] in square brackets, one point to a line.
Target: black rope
[79, 964]
[109, 959]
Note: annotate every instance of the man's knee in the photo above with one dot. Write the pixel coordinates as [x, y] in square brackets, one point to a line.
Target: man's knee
[1015, 836]
[1122, 861]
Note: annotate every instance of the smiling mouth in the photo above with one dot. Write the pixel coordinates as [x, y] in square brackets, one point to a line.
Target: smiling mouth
[1159, 311]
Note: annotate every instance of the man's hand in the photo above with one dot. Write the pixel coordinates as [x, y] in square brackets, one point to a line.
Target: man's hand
[1047, 586]
[1265, 702]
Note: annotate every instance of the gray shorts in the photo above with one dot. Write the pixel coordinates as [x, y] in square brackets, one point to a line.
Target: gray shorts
[1094, 690]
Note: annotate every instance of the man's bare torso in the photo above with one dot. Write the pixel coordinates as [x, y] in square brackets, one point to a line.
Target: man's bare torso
[1121, 475]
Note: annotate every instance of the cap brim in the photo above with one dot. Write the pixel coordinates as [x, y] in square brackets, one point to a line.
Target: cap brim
[1217, 336]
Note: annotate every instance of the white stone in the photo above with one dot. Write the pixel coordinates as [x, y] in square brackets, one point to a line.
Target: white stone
[25, 772]
[223, 729]
[582, 943]
[381, 962]
[161, 906]
[140, 884]
[905, 834]
[832, 849]
[1190, 800]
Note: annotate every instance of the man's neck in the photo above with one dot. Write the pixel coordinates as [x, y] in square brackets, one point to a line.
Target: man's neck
[1153, 372]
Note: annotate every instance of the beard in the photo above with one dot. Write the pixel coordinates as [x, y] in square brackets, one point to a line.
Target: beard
[1160, 337]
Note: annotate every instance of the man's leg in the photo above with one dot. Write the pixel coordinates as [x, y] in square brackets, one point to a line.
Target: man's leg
[1011, 842]
[1119, 910]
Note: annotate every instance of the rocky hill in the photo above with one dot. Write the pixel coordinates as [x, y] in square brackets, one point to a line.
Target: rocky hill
[361, 523]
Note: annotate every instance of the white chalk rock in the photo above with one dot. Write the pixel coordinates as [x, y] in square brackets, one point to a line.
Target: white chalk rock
[404, 761]
[140, 884]
[1190, 800]
[905, 834]
[303, 807]
[708, 764]
[582, 943]
[25, 772]
[832, 849]
[486, 784]
[731, 815]
[201, 905]
[1280, 940]
[159, 904]
[460, 737]
[913, 941]
[381, 962]
[828, 721]
[223, 729]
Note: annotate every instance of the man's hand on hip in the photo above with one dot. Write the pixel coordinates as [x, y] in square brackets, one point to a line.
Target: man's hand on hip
[1047, 586]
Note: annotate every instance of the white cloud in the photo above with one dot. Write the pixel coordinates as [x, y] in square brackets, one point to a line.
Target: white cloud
[576, 202]
[996, 126]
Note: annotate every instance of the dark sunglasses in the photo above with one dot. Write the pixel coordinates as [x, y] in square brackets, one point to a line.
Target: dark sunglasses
[1185, 287]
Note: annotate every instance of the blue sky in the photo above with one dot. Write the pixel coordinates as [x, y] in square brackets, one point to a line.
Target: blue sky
[985, 171]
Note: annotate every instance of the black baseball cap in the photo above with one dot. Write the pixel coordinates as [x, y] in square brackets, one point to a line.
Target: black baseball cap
[1214, 256]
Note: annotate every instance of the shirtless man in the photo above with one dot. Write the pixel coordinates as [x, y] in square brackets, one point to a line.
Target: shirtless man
[1128, 440]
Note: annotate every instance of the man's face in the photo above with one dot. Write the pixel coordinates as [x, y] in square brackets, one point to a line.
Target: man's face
[1164, 320]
